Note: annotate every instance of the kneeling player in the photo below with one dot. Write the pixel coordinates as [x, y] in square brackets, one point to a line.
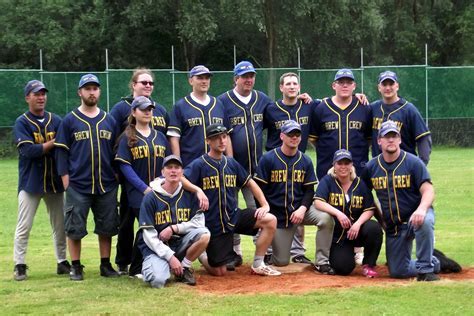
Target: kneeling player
[220, 177]
[343, 195]
[173, 234]
[287, 178]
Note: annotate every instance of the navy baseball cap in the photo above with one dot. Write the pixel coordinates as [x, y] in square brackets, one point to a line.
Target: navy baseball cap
[290, 126]
[87, 79]
[390, 75]
[341, 154]
[199, 70]
[387, 127]
[172, 158]
[344, 73]
[142, 103]
[244, 67]
[34, 86]
[215, 129]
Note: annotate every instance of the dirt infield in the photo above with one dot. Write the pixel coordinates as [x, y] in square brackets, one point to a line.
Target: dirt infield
[300, 280]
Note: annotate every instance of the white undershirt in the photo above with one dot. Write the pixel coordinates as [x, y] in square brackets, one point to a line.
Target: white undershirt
[244, 100]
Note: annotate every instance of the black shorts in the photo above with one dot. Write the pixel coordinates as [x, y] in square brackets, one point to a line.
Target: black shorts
[220, 248]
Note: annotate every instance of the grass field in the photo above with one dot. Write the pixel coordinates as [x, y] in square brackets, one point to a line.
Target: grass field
[44, 292]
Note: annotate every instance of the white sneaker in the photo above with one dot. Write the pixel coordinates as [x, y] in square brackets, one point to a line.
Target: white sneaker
[359, 255]
[263, 269]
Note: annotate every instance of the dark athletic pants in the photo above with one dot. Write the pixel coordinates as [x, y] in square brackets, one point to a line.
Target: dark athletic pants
[370, 237]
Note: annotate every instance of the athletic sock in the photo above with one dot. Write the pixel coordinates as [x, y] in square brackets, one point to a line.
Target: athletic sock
[186, 263]
[105, 260]
[76, 262]
[238, 250]
[257, 261]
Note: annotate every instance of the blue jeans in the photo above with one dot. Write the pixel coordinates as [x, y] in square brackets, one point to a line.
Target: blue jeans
[398, 248]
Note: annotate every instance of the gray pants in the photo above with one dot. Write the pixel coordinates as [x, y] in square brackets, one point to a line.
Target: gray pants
[282, 241]
[27, 206]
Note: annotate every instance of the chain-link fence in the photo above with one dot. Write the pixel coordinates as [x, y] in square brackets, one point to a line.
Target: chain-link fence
[442, 94]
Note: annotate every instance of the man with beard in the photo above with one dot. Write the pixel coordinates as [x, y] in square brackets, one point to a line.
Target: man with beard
[85, 142]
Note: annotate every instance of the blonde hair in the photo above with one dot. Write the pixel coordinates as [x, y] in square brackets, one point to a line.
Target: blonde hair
[136, 73]
[353, 173]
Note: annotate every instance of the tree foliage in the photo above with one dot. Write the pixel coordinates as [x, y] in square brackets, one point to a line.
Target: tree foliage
[73, 35]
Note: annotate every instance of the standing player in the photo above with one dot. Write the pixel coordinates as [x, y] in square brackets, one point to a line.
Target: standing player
[192, 114]
[220, 177]
[35, 132]
[413, 130]
[173, 233]
[290, 107]
[341, 122]
[140, 154]
[85, 142]
[287, 178]
[406, 195]
[141, 83]
[343, 195]
[244, 108]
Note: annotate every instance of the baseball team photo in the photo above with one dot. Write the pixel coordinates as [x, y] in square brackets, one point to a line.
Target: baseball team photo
[247, 157]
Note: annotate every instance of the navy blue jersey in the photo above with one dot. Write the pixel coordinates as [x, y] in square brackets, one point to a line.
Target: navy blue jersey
[334, 128]
[246, 121]
[397, 186]
[277, 113]
[219, 180]
[285, 178]
[37, 170]
[190, 119]
[161, 211]
[145, 157]
[122, 109]
[358, 199]
[87, 146]
[408, 119]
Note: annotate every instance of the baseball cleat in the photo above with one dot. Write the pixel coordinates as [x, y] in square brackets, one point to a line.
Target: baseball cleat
[187, 277]
[19, 272]
[325, 269]
[369, 271]
[263, 269]
[122, 269]
[106, 270]
[77, 273]
[428, 277]
[301, 259]
[63, 267]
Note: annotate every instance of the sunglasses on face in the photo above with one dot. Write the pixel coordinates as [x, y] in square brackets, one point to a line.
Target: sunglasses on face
[145, 83]
[293, 134]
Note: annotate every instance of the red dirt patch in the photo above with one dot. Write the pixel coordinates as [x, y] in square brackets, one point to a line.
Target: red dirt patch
[242, 282]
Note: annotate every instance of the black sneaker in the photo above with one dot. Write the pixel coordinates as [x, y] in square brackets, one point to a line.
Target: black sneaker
[324, 269]
[122, 269]
[301, 259]
[236, 262]
[428, 277]
[77, 273]
[63, 267]
[19, 272]
[187, 277]
[106, 270]
[447, 265]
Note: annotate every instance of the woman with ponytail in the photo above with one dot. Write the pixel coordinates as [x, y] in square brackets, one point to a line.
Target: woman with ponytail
[342, 194]
[140, 155]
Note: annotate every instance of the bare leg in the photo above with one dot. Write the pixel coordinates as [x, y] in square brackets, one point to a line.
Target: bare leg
[74, 249]
[198, 247]
[105, 244]
[267, 227]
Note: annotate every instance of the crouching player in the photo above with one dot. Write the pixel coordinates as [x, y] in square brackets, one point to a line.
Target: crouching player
[173, 232]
